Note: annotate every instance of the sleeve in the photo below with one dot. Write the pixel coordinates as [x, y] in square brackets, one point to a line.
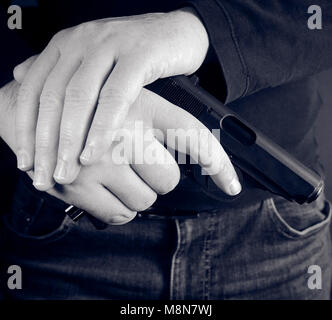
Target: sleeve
[13, 49]
[261, 44]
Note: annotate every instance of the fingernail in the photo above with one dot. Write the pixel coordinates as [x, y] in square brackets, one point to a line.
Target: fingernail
[86, 155]
[22, 160]
[119, 220]
[235, 187]
[60, 172]
[39, 178]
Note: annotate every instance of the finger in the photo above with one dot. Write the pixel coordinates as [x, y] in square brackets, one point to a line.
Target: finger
[22, 69]
[28, 104]
[189, 135]
[117, 95]
[97, 201]
[79, 105]
[154, 164]
[49, 118]
[128, 187]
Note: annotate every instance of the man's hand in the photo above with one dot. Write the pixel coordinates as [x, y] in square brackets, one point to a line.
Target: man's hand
[8, 97]
[79, 90]
[129, 176]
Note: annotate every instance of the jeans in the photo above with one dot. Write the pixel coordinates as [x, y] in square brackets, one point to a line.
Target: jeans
[262, 251]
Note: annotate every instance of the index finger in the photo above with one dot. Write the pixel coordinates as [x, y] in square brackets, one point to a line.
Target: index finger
[187, 134]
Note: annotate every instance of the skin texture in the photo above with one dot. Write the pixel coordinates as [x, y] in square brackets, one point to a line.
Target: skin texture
[114, 192]
[80, 88]
[103, 63]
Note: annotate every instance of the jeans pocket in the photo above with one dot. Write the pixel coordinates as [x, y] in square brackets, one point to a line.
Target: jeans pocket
[298, 221]
[35, 216]
[52, 235]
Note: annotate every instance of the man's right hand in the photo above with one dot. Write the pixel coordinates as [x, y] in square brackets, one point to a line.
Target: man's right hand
[114, 191]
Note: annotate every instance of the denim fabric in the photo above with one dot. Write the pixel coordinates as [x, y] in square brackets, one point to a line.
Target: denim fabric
[258, 252]
[253, 253]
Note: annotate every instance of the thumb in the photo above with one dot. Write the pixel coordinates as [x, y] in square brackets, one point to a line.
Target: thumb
[21, 69]
[187, 134]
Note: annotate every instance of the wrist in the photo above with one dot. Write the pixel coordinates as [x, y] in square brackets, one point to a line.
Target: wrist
[7, 112]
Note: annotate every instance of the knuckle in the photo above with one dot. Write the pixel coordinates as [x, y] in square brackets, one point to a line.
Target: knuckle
[42, 146]
[60, 36]
[89, 62]
[49, 99]
[24, 93]
[76, 34]
[18, 73]
[99, 125]
[113, 95]
[84, 28]
[76, 95]
[220, 167]
[45, 141]
[225, 166]
[66, 140]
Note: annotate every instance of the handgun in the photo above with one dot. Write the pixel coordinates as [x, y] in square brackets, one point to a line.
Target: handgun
[249, 149]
